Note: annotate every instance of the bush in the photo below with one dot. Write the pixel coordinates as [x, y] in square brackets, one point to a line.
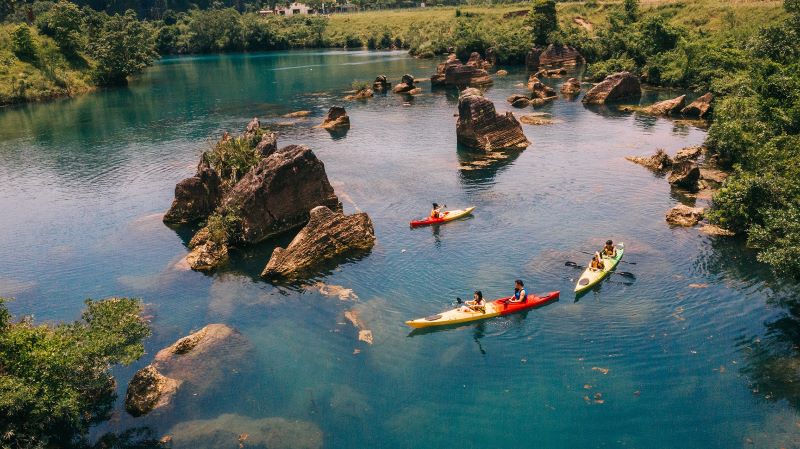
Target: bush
[63, 23]
[599, 70]
[124, 48]
[167, 40]
[543, 20]
[352, 41]
[22, 43]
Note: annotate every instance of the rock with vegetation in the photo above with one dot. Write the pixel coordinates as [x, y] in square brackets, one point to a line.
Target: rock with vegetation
[571, 87]
[685, 175]
[267, 145]
[700, 107]
[336, 119]
[362, 91]
[406, 85]
[689, 153]
[149, 390]
[328, 234]
[479, 126]
[615, 87]
[277, 194]
[666, 107]
[381, 84]
[231, 431]
[208, 254]
[682, 215]
[196, 197]
[56, 380]
[659, 162]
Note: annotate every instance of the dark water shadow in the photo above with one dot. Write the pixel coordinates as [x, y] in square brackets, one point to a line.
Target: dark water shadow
[478, 168]
[338, 134]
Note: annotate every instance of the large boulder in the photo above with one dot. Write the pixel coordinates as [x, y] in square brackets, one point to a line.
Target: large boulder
[149, 390]
[685, 175]
[699, 107]
[336, 119]
[206, 254]
[689, 153]
[616, 87]
[231, 431]
[406, 85]
[560, 55]
[381, 84]
[197, 362]
[195, 197]
[659, 162]
[327, 235]
[519, 101]
[682, 215]
[532, 59]
[277, 194]
[539, 89]
[460, 75]
[475, 60]
[571, 87]
[666, 107]
[480, 126]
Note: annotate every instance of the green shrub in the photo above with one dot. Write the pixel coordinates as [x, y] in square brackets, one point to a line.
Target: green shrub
[63, 22]
[543, 20]
[601, 69]
[352, 41]
[22, 43]
[124, 48]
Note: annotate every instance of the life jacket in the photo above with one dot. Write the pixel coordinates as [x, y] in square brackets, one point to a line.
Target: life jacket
[435, 213]
[519, 293]
[608, 251]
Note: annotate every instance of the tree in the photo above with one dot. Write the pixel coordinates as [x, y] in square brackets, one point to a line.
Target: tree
[543, 20]
[124, 48]
[22, 43]
[63, 22]
[55, 379]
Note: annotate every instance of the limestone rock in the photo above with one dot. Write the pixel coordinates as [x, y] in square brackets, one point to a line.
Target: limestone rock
[231, 431]
[336, 118]
[406, 85]
[476, 60]
[480, 126]
[530, 119]
[252, 128]
[541, 101]
[297, 114]
[689, 153]
[616, 87]
[207, 255]
[532, 59]
[666, 107]
[571, 87]
[361, 94]
[685, 175]
[277, 194]
[658, 162]
[149, 390]
[501, 72]
[453, 73]
[327, 235]
[560, 55]
[682, 215]
[712, 229]
[699, 107]
[519, 101]
[268, 144]
[381, 84]
[195, 197]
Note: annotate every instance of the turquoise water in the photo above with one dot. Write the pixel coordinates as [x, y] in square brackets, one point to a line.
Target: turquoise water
[699, 350]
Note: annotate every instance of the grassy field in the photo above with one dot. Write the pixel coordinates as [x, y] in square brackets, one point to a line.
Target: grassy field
[45, 76]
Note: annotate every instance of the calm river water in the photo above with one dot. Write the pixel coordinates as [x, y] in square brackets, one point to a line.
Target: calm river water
[698, 352]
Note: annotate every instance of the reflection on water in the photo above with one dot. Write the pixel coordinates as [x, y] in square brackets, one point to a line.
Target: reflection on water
[85, 180]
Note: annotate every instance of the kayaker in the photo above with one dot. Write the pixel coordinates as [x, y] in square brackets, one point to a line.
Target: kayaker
[610, 250]
[519, 292]
[436, 211]
[597, 262]
[478, 303]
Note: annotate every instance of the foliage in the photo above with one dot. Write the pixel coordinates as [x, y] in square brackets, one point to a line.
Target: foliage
[233, 157]
[543, 20]
[63, 22]
[223, 225]
[56, 380]
[360, 85]
[124, 48]
[22, 43]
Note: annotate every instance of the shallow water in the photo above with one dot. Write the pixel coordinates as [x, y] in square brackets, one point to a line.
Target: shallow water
[85, 181]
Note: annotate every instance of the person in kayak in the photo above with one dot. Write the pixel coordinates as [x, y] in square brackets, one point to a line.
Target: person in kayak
[597, 262]
[610, 250]
[477, 304]
[520, 295]
[436, 212]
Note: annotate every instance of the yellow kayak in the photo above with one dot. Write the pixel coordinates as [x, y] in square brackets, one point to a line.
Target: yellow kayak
[591, 277]
[498, 307]
[446, 216]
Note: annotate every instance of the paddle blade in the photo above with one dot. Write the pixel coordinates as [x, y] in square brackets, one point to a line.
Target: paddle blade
[626, 274]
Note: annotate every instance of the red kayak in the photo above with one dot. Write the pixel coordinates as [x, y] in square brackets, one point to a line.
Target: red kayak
[498, 307]
[445, 217]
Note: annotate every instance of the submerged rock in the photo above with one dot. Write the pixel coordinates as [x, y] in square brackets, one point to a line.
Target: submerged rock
[327, 235]
[381, 84]
[406, 85]
[685, 175]
[231, 431]
[297, 114]
[682, 215]
[666, 107]
[149, 390]
[530, 119]
[480, 126]
[336, 118]
[195, 197]
[658, 162]
[700, 107]
[571, 87]
[277, 194]
[616, 87]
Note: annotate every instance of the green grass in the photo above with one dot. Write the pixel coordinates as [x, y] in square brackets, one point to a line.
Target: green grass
[47, 76]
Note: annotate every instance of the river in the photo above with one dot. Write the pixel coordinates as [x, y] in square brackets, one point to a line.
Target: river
[696, 352]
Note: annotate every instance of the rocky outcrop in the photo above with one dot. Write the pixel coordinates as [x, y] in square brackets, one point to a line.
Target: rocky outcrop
[551, 73]
[539, 89]
[381, 84]
[616, 87]
[252, 128]
[685, 175]
[231, 431]
[658, 162]
[207, 254]
[195, 197]
[531, 119]
[682, 215]
[519, 101]
[700, 107]
[361, 94]
[553, 55]
[268, 144]
[666, 107]
[336, 119]
[453, 73]
[149, 390]
[277, 194]
[297, 114]
[480, 126]
[327, 235]
[689, 153]
[198, 362]
[475, 60]
[406, 85]
[501, 72]
[571, 87]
